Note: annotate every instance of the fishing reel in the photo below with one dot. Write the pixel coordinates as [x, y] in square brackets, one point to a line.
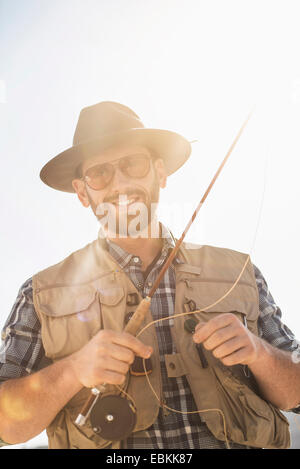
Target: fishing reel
[113, 417]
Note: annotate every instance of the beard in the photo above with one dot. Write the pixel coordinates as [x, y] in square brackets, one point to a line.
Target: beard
[129, 213]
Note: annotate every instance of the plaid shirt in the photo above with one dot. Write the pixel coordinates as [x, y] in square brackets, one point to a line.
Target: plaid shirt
[22, 350]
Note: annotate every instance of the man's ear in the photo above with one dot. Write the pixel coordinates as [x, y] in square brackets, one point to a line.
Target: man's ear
[161, 172]
[79, 187]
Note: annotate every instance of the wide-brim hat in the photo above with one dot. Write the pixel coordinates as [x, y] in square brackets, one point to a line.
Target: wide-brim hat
[106, 124]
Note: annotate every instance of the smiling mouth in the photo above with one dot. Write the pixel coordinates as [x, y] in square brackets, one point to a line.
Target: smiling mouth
[124, 201]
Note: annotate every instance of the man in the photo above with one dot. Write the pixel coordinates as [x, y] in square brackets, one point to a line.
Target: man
[216, 382]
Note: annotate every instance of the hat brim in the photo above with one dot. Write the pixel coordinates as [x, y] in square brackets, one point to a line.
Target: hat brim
[59, 172]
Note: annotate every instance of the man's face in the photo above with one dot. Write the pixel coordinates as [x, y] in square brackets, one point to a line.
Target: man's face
[126, 198]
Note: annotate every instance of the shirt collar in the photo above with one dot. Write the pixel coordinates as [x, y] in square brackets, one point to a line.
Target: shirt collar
[124, 258]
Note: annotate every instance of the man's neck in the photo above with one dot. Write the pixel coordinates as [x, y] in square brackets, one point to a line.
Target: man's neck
[145, 247]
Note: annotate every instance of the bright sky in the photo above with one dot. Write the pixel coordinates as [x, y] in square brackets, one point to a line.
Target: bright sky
[195, 67]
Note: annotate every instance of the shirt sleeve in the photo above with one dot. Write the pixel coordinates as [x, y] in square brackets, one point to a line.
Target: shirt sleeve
[22, 351]
[270, 325]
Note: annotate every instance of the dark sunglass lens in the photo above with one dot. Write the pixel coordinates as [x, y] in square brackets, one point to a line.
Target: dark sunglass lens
[99, 176]
[136, 166]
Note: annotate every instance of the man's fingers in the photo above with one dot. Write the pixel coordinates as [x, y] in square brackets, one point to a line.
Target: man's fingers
[219, 337]
[239, 357]
[107, 356]
[126, 340]
[110, 364]
[228, 347]
[134, 344]
[118, 352]
[203, 332]
[228, 340]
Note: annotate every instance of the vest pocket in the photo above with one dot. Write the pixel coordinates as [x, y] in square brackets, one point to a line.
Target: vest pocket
[112, 303]
[273, 430]
[250, 420]
[71, 317]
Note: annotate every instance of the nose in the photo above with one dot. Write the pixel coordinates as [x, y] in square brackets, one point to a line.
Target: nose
[119, 180]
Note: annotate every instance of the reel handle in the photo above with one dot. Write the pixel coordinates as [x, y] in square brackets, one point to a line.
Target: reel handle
[87, 406]
[131, 327]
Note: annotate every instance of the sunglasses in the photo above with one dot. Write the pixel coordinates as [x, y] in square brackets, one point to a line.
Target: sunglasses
[133, 166]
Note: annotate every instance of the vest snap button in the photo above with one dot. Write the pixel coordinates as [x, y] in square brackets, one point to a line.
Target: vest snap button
[132, 299]
[172, 365]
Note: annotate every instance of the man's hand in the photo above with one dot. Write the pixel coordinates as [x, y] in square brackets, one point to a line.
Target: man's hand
[106, 358]
[228, 340]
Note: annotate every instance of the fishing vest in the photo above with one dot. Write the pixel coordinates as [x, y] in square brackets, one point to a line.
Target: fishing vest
[87, 292]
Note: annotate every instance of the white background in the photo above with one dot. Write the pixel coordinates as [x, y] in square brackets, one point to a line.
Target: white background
[196, 67]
